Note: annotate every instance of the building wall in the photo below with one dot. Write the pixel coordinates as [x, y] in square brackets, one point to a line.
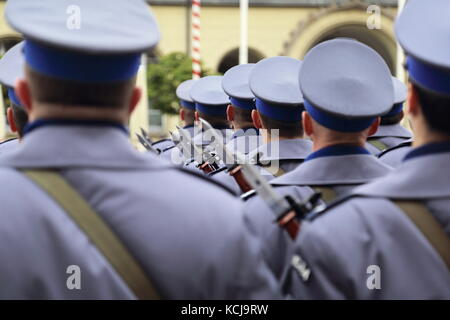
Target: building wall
[272, 31]
[269, 29]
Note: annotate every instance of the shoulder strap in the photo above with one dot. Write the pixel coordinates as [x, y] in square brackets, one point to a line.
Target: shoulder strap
[327, 194]
[401, 145]
[97, 230]
[378, 144]
[276, 171]
[429, 226]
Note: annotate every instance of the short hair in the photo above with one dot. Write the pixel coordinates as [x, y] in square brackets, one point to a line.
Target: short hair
[287, 129]
[189, 116]
[215, 121]
[242, 116]
[395, 119]
[63, 92]
[435, 108]
[20, 118]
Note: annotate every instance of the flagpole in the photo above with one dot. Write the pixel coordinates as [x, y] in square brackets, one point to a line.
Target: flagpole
[243, 48]
[400, 72]
[196, 56]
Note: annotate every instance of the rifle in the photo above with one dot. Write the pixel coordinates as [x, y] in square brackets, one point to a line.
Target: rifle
[181, 145]
[146, 135]
[207, 161]
[147, 144]
[287, 210]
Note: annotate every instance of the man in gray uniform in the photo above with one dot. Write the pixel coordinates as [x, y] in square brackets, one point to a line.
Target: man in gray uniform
[11, 69]
[392, 141]
[339, 122]
[187, 116]
[246, 137]
[235, 83]
[391, 238]
[211, 104]
[279, 105]
[99, 220]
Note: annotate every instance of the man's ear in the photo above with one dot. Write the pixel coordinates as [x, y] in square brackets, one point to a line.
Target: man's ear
[197, 117]
[374, 126]
[182, 114]
[413, 101]
[307, 124]
[23, 92]
[230, 113]
[11, 119]
[135, 98]
[256, 119]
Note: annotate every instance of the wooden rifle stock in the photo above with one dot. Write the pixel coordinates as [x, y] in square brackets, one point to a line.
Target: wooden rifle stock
[206, 167]
[237, 174]
[289, 222]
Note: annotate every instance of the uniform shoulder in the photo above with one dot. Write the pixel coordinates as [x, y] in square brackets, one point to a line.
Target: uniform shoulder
[399, 146]
[161, 141]
[221, 169]
[205, 179]
[9, 140]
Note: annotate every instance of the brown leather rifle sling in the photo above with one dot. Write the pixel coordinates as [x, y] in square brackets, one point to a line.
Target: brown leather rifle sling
[378, 144]
[97, 231]
[424, 220]
[328, 195]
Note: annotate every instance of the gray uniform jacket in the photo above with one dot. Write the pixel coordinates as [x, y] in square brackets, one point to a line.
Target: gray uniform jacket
[203, 141]
[338, 254]
[395, 138]
[283, 156]
[243, 144]
[341, 173]
[393, 157]
[169, 149]
[190, 247]
[164, 145]
[8, 146]
[390, 136]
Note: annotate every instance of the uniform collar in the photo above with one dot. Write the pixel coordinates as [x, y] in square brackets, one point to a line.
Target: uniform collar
[418, 178]
[394, 130]
[428, 149]
[69, 122]
[337, 150]
[289, 149]
[345, 169]
[78, 146]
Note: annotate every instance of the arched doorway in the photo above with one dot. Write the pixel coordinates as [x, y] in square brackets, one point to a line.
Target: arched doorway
[348, 21]
[231, 59]
[362, 34]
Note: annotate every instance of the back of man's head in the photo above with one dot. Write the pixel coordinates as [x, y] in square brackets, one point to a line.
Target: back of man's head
[61, 92]
[20, 118]
[435, 109]
[286, 129]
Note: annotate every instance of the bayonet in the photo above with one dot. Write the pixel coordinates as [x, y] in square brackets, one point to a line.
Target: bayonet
[146, 135]
[145, 143]
[207, 162]
[286, 209]
[183, 147]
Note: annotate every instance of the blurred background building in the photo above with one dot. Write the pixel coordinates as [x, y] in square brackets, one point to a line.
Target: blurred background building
[275, 27]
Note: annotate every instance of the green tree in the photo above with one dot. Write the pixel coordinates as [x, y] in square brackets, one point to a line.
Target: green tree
[164, 78]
